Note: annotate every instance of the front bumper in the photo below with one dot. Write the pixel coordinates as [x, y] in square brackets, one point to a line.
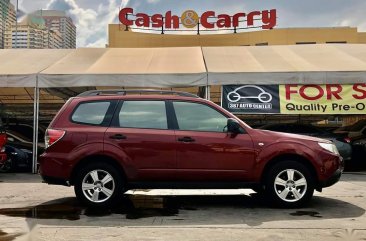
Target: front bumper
[333, 179]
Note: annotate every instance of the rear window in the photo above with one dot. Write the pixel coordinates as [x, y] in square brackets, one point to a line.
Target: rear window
[91, 113]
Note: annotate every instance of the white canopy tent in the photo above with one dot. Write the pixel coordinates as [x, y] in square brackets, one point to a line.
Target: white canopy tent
[180, 67]
[286, 64]
[136, 67]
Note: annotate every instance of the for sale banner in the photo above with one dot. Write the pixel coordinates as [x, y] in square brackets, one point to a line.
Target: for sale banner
[295, 99]
[323, 99]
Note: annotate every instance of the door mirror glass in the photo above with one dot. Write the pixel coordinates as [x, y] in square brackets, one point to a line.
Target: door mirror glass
[233, 126]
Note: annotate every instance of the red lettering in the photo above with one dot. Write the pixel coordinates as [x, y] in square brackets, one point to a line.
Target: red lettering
[305, 96]
[157, 21]
[236, 19]
[251, 16]
[142, 20]
[123, 16]
[362, 92]
[169, 18]
[204, 19]
[269, 19]
[289, 91]
[334, 92]
[224, 21]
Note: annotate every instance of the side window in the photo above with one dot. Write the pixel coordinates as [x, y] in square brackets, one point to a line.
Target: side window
[199, 117]
[143, 114]
[92, 113]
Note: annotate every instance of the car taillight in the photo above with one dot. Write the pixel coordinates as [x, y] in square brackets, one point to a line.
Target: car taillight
[3, 139]
[52, 136]
[347, 140]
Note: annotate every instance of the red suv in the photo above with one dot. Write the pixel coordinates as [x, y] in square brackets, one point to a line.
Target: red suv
[106, 142]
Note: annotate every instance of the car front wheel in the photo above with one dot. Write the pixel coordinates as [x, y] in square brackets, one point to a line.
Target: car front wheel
[289, 185]
[99, 185]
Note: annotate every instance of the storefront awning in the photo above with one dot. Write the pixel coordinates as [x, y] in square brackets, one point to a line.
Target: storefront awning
[19, 67]
[137, 67]
[289, 64]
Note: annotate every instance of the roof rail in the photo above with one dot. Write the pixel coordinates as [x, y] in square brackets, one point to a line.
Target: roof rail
[142, 91]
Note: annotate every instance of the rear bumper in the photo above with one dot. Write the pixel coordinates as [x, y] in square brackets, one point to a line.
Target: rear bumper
[3, 158]
[54, 181]
[332, 180]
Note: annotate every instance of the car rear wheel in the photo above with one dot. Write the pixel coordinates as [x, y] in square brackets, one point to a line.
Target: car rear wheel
[99, 185]
[289, 185]
[8, 165]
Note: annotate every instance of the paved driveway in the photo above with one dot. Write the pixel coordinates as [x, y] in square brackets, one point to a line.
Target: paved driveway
[31, 210]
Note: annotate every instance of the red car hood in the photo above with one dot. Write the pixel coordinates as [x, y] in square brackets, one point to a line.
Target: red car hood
[280, 136]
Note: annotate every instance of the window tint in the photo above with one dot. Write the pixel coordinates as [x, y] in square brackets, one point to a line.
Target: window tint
[92, 113]
[143, 114]
[199, 117]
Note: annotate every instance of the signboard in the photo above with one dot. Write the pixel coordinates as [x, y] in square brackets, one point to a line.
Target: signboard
[190, 19]
[295, 99]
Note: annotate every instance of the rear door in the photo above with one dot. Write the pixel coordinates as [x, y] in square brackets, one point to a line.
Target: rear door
[141, 138]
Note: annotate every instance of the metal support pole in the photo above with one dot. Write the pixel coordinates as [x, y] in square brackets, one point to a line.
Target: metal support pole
[35, 128]
[207, 92]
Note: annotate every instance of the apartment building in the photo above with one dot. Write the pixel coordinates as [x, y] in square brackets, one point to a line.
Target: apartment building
[58, 21]
[7, 18]
[31, 33]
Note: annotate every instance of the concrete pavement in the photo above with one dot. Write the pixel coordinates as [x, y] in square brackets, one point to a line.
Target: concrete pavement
[31, 210]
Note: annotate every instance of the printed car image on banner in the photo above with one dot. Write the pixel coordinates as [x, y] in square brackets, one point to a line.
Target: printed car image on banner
[251, 99]
[323, 99]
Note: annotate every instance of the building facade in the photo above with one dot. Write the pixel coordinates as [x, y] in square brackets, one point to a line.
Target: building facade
[7, 18]
[58, 21]
[31, 33]
[120, 38]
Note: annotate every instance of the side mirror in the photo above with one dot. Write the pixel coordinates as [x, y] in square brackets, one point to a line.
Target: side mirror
[233, 126]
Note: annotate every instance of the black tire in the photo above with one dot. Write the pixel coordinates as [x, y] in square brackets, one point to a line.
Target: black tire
[8, 166]
[117, 185]
[294, 193]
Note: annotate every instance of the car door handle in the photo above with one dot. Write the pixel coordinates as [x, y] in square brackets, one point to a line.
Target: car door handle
[118, 137]
[186, 139]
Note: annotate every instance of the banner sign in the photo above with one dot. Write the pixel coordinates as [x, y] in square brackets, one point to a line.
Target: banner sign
[266, 19]
[295, 99]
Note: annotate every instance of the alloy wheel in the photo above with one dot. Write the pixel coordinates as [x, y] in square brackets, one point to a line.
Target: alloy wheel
[98, 186]
[290, 185]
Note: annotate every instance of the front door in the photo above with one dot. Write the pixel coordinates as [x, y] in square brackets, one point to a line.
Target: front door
[205, 151]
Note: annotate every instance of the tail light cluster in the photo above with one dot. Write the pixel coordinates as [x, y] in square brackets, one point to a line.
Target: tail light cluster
[3, 140]
[52, 136]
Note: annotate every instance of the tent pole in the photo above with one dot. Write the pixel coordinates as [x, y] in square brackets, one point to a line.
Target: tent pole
[35, 127]
[207, 92]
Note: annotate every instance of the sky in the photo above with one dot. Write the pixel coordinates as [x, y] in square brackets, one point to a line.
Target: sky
[92, 17]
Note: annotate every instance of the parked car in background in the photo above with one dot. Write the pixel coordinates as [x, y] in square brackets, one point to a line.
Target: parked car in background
[26, 130]
[3, 138]
[359, 150]
[353, 131]
[17, 159]
[19, 150]
[342, 142]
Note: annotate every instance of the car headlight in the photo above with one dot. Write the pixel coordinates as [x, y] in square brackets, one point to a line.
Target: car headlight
[329, 147]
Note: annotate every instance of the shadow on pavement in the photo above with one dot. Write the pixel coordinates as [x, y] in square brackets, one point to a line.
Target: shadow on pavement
[181, 210]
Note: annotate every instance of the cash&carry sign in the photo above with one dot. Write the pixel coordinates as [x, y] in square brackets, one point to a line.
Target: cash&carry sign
[295, 99]
[265, 19]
